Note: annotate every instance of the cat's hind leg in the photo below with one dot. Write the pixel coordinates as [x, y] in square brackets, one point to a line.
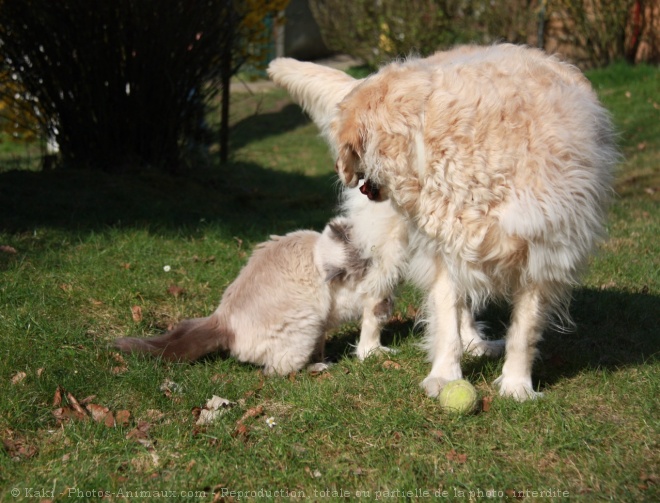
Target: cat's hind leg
[375, 314]
[473, 340]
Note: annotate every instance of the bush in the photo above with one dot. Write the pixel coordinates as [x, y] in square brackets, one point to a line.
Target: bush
[379, 31]
[589, 32]
[123, 83]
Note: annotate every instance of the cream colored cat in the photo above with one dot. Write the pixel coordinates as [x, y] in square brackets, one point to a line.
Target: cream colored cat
[293, 290]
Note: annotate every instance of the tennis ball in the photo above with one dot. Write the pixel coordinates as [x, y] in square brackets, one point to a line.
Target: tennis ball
[458, 397]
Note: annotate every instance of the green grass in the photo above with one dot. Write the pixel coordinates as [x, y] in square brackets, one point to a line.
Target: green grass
[90, 246]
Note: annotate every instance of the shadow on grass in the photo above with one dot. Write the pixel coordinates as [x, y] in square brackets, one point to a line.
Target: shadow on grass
[614, 330]
[285, 118]
[242, 199]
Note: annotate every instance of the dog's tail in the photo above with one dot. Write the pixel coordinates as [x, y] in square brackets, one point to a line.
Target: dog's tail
[187, 341]
[317, 88]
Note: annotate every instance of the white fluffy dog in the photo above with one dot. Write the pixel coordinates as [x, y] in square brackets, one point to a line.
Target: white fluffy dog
[499, 157]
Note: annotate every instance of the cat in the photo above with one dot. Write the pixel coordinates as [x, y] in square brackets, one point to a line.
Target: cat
[293, 290]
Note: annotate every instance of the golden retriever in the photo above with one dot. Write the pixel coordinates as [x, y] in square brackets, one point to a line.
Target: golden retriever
[501, 157]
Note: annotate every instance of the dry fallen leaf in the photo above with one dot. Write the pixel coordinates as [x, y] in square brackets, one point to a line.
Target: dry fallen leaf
[57, 397]
[109, 420]
[389, 364]
[214, 407]
[17, 447]
[457, 457]
[8, 249]
[241, 431]
[122, 365]
[75, 404]
[175, 291]
[253, 412]
[98, 412]
[122, 417]
[140, 432]
[486, 403]
[136, 313]
[18, 377]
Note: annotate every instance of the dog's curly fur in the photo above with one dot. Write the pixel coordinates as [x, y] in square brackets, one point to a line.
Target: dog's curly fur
[500, 156]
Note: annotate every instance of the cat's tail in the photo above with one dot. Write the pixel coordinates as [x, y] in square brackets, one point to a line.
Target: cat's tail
[187, 341]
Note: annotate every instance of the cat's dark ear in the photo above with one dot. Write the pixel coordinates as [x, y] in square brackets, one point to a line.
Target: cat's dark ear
[334, 273]
[340, 230]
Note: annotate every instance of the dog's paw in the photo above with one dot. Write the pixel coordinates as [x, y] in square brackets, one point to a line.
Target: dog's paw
[491, 349]
[365, 352]
[520, 390]
[432, 386]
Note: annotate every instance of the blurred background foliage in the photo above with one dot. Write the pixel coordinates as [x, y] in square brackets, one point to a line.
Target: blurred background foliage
[128, 84]
[123, 84]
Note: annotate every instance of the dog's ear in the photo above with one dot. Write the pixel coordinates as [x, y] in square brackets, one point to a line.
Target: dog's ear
[348, 136]
[347, 166]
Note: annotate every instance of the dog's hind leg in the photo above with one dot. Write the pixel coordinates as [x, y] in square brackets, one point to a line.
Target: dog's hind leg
[472, 338]
[528, 321]
[375, 315]
[443, 341]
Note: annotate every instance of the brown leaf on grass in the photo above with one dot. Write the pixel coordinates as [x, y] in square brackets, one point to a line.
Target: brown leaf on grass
[109, 420]
[125, 265]
[253, 412]
[389, 364]
[437, 434]
[242, 432]
[75, 405]
[66, 287]
[136, 313]
[457, 457]
[57, 397]
[98, 412]
[18, 377]
[8, 249]
[121, 366]
[486, 403]
[40, 371]
[122, 417]
[87, 399]
[219, 378]
[140, 432]
[175, 290]
[213, 408]
[17, 447]
[154, 415]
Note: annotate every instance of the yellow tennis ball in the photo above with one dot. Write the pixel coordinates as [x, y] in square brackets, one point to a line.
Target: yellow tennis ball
[458, 397]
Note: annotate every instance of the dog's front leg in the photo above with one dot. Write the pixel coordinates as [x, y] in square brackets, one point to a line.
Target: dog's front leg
[375, 315]
[527, 323]
[443, 340]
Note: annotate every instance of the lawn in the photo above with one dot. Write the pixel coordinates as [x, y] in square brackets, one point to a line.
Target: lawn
[83, 261]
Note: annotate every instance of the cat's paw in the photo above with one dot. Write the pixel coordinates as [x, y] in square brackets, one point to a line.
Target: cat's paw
[491, 349]
[365, 352]
[318, 367]
[518, 389]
